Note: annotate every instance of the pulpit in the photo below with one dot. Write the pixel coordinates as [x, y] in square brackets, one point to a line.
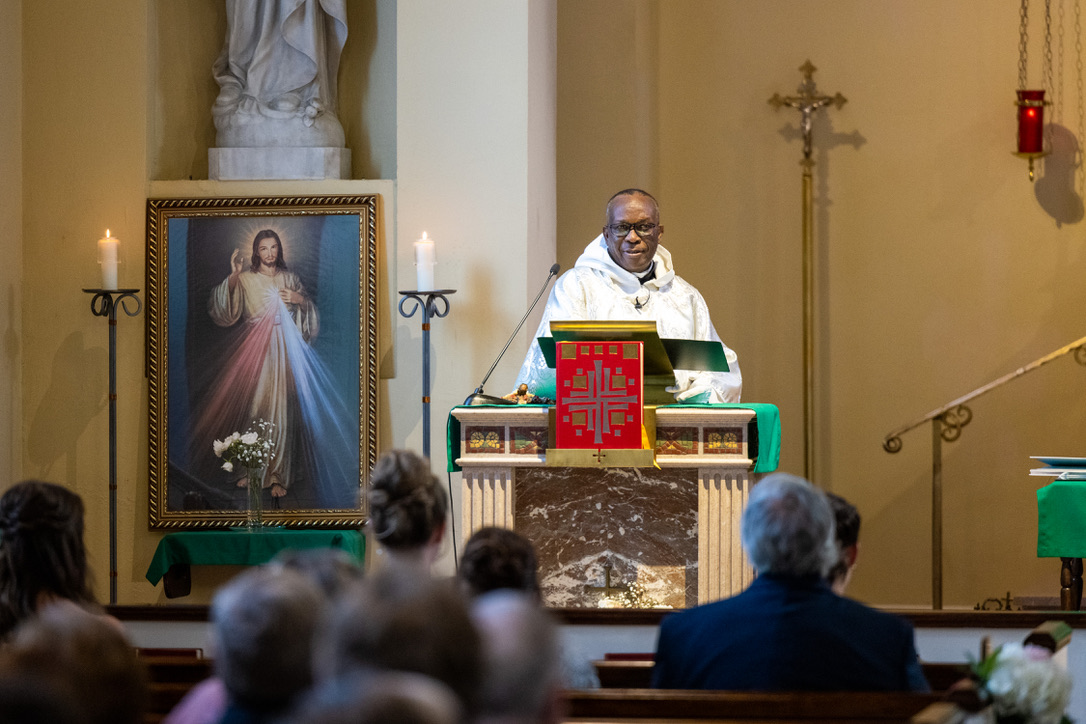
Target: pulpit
[671, 527]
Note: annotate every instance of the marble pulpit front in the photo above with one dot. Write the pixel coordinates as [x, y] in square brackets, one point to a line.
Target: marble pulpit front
[673, 528]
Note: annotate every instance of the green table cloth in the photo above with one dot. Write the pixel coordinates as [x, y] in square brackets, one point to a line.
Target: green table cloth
[241, 548]
[1061, 519]
[766, 447]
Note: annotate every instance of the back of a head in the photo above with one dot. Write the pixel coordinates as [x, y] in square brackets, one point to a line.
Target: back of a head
[499, 558]
[787, 528]
[407, 504]
[31, 700]
[379, 697]
[86, 657]
[263, 623]
[522, 662]
[41, 549]
[846, 520]
[399, 620]
[332, 569]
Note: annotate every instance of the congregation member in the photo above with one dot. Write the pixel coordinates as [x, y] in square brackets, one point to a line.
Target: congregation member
[788, 630]
[82, 658]
[331, 569]
[407, 507]
[42, 555]
[400, 619]
[846, 526]
[498, 558]
[523, 670]
[380, 698]
[263, 623]
[28, 700]
[625, 274]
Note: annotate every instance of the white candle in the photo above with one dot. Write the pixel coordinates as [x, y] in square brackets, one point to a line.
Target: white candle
[425, 258]
[108, 248]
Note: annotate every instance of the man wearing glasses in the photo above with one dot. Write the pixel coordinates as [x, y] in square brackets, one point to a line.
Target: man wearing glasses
[625, 274]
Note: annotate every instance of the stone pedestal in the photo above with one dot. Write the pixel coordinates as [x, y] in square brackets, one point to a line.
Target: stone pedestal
[672, 528]
[278, 163]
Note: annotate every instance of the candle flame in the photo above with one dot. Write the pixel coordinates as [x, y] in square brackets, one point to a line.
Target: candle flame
[107, 233]
[424, 235]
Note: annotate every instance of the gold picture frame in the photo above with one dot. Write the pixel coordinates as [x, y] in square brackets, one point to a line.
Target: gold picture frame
[242, 329]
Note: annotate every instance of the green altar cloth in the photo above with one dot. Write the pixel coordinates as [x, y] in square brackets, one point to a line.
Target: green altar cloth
[767, 419]
[240, 548]
[1061, 517]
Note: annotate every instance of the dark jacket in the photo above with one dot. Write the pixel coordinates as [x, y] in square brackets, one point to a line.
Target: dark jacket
[787, 634]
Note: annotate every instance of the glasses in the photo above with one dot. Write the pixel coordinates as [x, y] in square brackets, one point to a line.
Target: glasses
[623, 230]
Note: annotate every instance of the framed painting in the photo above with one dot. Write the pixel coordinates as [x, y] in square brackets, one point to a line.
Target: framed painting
[261, 315]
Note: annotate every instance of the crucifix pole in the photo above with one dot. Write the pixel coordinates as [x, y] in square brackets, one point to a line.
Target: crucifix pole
[807, 102]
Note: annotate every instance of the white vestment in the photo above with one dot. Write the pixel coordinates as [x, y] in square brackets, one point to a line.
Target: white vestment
[598, 288]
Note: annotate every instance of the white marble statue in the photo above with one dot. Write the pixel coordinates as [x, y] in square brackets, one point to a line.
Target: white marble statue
[277, 74]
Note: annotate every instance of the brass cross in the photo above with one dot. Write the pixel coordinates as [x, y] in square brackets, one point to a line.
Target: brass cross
[807, 102]
[607, 589]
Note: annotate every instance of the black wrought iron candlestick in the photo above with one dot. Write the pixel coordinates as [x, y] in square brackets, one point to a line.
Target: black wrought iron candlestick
[104, 303]
[428, 303]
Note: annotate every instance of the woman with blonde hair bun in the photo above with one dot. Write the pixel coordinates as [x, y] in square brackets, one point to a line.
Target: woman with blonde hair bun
[407, 509]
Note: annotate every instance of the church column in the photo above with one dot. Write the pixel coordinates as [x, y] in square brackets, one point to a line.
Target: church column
[723, 568]
[487, 498]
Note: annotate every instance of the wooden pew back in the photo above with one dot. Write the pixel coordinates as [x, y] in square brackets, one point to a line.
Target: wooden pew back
[641, 705]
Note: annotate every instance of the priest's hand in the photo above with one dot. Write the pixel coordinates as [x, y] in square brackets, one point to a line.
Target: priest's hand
[693, 391]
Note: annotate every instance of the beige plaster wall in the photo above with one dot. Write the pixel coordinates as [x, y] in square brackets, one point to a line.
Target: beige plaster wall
[115, 112]
[84, 155]
[11, 220]
[476, 172]
[939, 266]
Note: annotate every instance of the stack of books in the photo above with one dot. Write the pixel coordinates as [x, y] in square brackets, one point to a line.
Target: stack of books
[1062, 468]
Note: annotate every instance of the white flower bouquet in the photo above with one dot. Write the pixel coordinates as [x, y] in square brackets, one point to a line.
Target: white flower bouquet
[1024, 684]
[252, 449]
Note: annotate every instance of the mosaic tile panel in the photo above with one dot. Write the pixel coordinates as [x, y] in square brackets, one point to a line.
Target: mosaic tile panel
[676, 440]
[723, 441]
[484, 439]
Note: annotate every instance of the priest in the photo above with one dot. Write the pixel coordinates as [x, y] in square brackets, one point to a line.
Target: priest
[625, 274]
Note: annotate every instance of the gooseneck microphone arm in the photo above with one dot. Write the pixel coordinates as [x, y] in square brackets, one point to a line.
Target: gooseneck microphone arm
[477, 397]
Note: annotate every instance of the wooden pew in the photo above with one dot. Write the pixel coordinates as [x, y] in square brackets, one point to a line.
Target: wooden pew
[606, 706]
[635, 672]
[171, 674]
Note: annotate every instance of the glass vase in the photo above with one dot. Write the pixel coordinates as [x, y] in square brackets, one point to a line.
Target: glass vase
[254, 517]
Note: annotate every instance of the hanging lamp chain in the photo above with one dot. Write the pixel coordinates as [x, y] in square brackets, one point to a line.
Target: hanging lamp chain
[1046, 69]
[1081, 106]
[1023, 43]
[1060, 64]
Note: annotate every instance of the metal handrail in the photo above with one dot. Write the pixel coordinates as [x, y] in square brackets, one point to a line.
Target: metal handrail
[946, 424]
[952, 428]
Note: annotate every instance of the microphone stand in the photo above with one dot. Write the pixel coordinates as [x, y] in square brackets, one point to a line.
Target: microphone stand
[477, 397]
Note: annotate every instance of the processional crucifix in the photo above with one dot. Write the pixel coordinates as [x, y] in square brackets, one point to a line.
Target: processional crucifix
[807, 102]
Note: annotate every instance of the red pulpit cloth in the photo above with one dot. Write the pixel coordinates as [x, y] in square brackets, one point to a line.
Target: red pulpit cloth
[599, 395]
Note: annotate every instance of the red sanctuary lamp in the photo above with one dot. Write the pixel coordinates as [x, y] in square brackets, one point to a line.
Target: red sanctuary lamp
[1031, 124]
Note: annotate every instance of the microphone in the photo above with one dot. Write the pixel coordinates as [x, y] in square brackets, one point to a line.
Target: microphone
[477, 397]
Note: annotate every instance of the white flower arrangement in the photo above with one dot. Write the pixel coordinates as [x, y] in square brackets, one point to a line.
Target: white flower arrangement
[253, 448]
[1024, 684]
[635, 596]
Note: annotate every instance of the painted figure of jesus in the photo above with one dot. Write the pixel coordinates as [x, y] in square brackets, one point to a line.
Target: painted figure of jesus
[279, 321]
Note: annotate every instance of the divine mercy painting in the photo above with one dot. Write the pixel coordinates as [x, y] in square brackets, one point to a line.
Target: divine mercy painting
[264, 315]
